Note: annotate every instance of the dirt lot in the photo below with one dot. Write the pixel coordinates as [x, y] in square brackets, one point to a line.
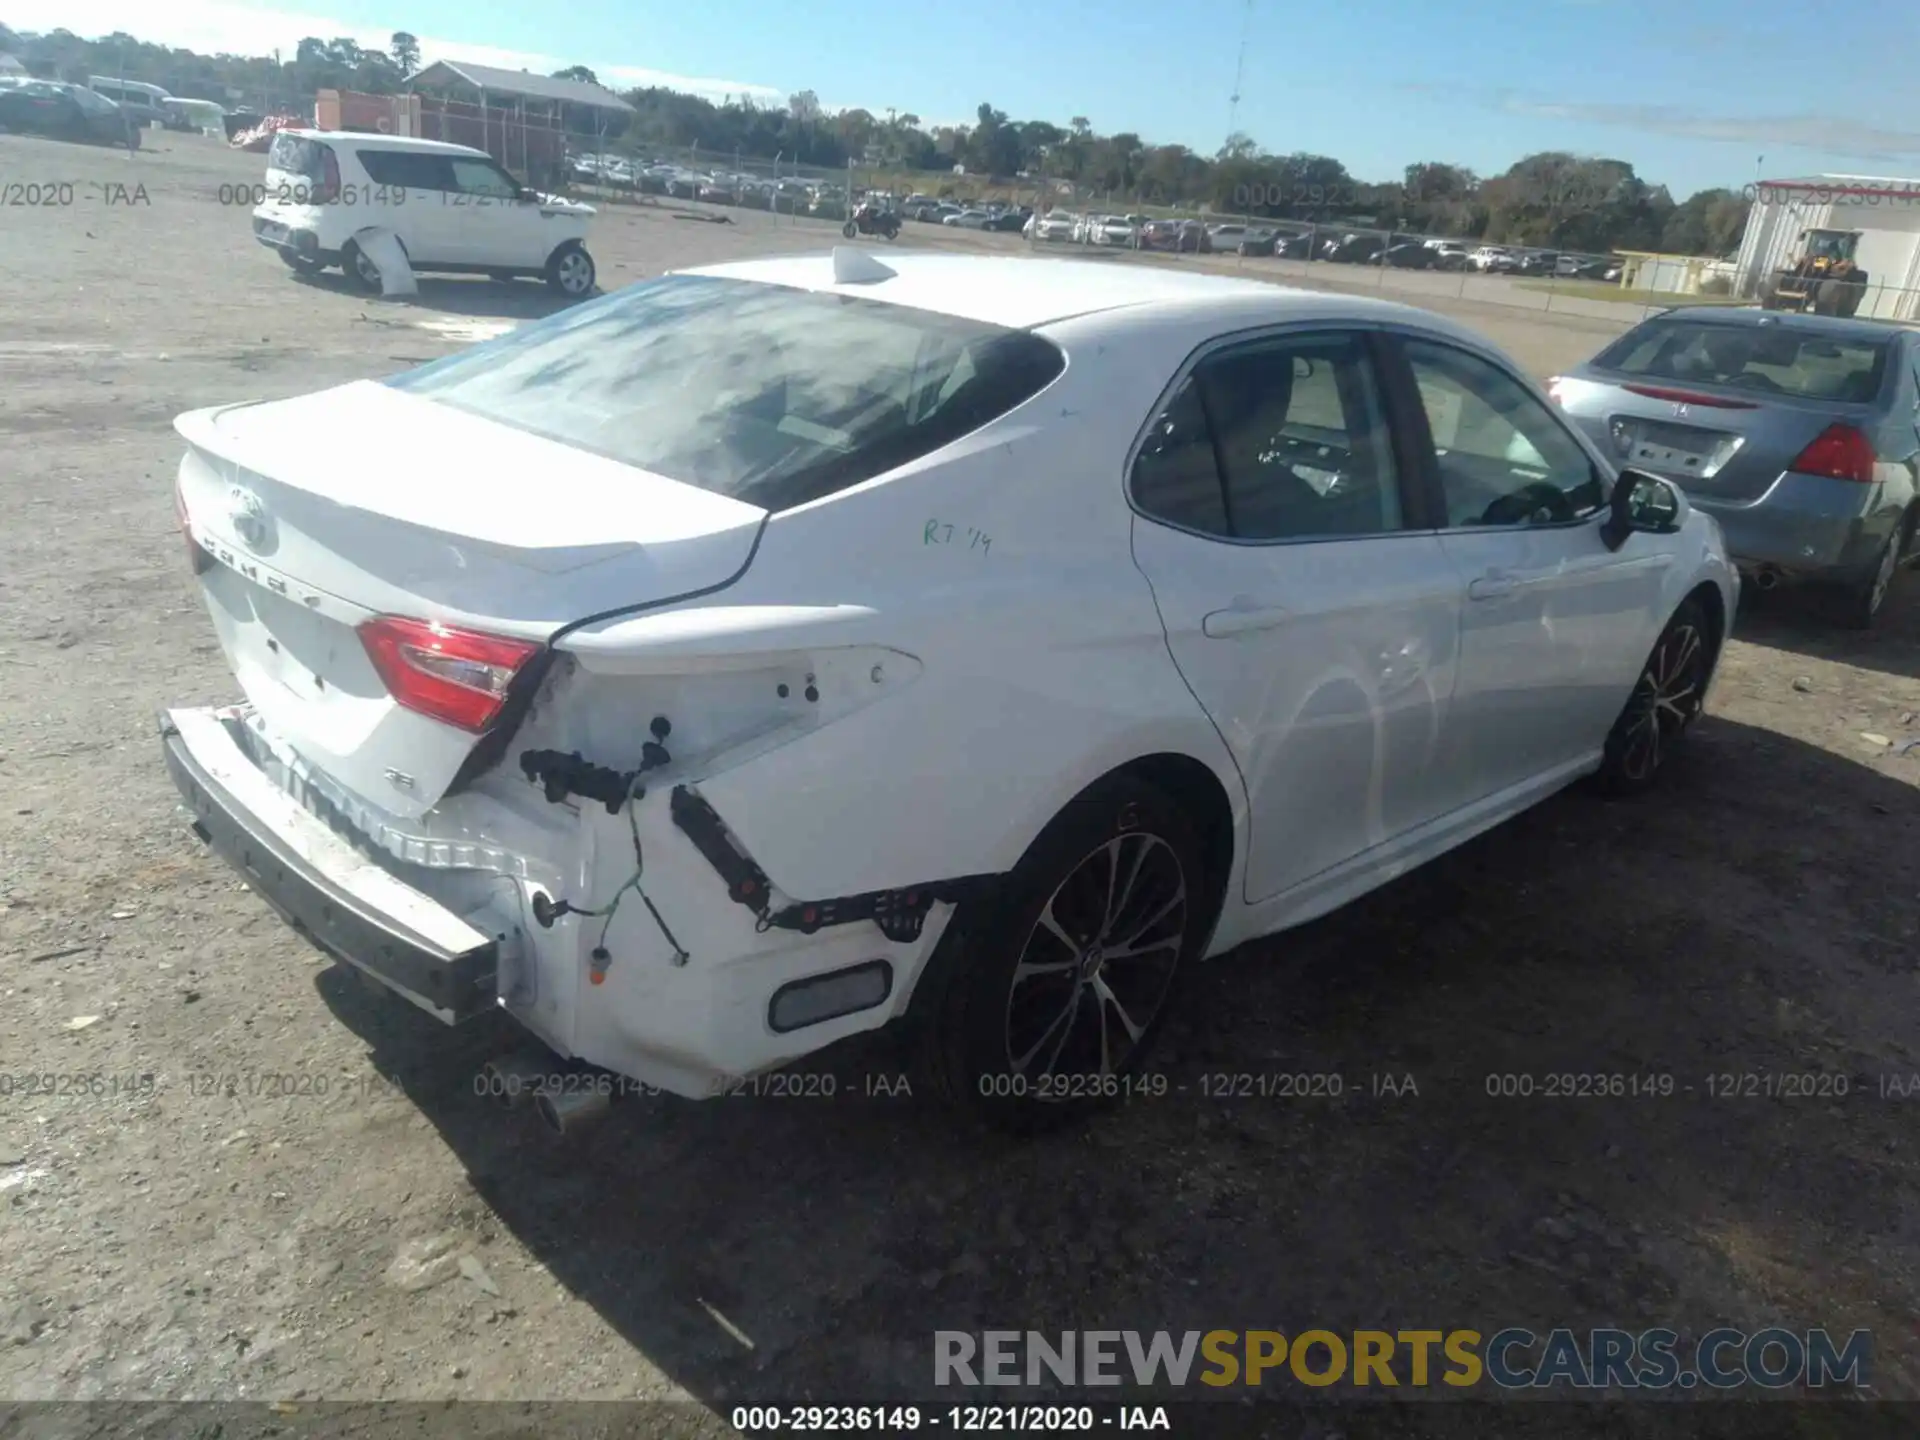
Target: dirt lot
[399, 1237]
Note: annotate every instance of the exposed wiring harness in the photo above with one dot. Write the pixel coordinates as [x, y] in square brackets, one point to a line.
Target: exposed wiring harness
[631, 792]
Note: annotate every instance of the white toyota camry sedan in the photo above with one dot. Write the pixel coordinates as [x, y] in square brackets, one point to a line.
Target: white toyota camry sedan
[774, 651]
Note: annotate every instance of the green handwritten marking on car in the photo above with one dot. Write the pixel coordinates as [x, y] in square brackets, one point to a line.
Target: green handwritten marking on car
[939, 533]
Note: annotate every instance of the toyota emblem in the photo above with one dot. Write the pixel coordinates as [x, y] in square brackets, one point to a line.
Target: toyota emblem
[249, 517]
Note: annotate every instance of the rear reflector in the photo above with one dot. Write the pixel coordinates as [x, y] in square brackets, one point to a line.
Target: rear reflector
[456, 676]
[800, 1003]
[1838, 452]
[1690, 397]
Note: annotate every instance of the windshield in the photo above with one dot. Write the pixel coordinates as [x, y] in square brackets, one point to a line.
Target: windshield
[767, 394]
[1771, 360]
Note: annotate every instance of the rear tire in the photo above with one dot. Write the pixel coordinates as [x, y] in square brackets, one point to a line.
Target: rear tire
[1861, 603]
[364, 274]
[1040, 1005]
[1665, 702]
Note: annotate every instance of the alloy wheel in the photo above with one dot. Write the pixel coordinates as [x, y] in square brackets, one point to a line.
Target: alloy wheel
[1665, 701]
[1099, 961]
[575, 272]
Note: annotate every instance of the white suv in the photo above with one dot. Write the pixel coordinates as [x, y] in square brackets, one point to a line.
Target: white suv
[452, 208]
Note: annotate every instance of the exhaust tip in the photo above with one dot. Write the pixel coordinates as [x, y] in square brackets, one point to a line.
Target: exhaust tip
[568, 1112]
[514, 1079]
[1766, 580]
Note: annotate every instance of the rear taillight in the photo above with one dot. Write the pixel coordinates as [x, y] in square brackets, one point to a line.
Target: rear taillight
[329, 177]
[1838, 452]
[456, 676]
[1689, 397]
[197, 557]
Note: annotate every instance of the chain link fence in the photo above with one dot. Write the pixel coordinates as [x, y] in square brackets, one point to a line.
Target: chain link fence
[1048, 215]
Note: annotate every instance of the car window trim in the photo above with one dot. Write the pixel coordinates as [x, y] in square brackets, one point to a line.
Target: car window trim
[1394, 337]
[1411, 504]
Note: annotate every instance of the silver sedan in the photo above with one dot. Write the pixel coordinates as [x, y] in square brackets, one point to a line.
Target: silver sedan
[1800, 434]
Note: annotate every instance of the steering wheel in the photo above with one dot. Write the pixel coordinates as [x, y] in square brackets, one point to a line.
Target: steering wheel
[1522, 505]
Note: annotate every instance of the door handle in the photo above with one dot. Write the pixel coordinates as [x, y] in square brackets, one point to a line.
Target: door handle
[1494, 585]
[1240, 619]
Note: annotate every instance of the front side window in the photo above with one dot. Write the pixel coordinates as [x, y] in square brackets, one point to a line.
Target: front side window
[483, 177]
[771, 395]
[1502, 457]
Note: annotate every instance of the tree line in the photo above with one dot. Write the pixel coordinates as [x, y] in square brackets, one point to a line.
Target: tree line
[1549, 199]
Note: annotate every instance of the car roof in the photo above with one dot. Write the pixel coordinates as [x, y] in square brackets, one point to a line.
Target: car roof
[1024, 293]
[372, 140]
[1748, 317]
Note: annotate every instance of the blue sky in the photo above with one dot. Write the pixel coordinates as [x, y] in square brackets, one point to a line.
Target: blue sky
[1692, 92]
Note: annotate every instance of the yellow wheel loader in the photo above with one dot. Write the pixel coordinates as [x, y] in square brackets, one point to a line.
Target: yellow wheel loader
[1824, 278]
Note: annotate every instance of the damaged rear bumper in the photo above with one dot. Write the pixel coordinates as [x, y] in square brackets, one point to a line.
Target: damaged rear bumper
[319, 883]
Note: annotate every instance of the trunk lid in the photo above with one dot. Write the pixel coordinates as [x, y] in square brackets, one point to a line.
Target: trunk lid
[1719, 443]
[324, 511]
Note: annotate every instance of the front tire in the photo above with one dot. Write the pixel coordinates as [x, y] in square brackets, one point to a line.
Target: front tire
[849, 230]
[1666, 700]
[1040, 1005]
[570, 272]
[302, 264]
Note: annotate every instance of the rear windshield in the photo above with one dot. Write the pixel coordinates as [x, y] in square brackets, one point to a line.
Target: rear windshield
[296, 155]
[770, 395]
[1767, 360]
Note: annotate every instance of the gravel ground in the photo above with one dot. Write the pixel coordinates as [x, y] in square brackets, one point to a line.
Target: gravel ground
[203, 1229]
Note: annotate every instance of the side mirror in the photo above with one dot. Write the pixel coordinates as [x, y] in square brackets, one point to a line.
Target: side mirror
[1644, 503]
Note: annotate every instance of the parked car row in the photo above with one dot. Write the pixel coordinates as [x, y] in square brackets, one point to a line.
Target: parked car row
[789, 194]
[61, 111]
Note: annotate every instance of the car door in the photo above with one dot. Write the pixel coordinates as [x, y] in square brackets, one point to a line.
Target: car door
[497, 226]
[1307, 604]
[410, 192]
[1555, 627]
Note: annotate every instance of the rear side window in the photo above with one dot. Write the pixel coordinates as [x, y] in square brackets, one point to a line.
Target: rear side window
[297, 155]
[771, 395]
[1176, 476]
[407, 169]
[1282, 439]
[1760, 359]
